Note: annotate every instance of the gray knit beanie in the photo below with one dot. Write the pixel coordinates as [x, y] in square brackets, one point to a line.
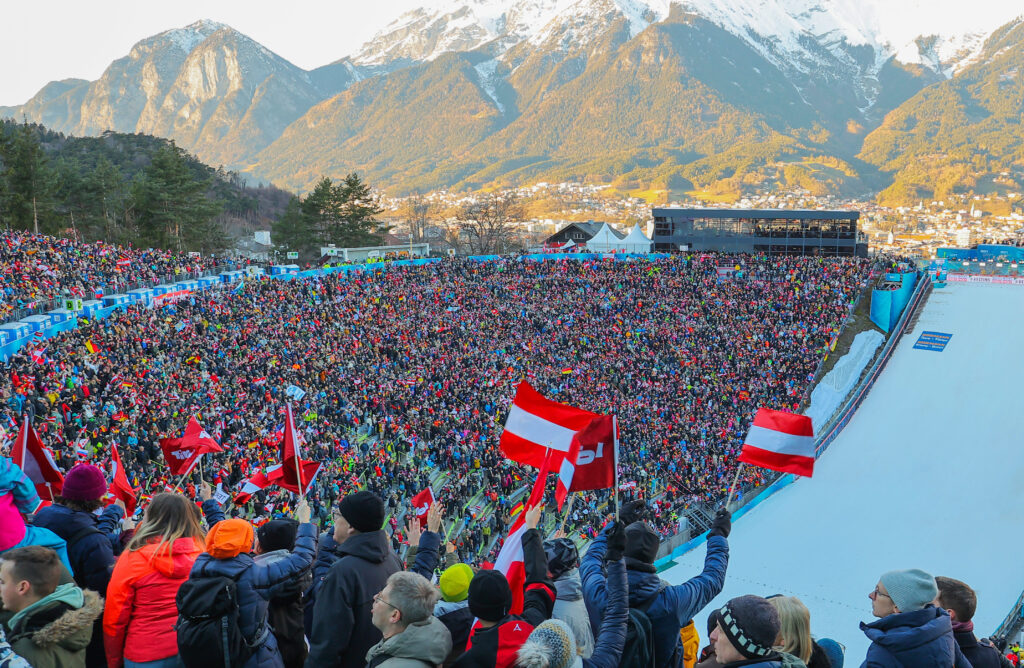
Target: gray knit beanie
[550, 645]
[911, 589]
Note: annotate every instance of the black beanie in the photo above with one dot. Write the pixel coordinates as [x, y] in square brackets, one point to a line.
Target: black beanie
[364, 511]
[642, 542]
[752, 624]
[490, 597]
[277, 535]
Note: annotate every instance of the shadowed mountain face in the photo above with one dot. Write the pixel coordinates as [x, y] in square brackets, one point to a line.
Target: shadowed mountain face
[602, 90]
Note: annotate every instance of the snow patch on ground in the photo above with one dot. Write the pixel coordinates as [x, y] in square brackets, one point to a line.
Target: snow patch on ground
[485, 72]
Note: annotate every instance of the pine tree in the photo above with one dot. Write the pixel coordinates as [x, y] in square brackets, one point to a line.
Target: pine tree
[29, 183]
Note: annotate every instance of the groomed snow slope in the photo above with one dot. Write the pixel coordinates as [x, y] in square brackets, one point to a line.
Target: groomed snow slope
[928, 474]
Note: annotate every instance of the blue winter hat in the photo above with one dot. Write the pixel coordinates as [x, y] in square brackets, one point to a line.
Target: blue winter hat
[911, 589]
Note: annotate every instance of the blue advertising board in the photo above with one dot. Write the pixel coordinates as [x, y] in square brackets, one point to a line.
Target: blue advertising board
[933, 341]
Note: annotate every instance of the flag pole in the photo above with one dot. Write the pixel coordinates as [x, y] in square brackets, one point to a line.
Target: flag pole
[572, 498]
[615, 437]
[732, 488]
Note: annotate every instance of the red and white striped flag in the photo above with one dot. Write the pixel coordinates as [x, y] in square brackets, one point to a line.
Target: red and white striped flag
[261, 480]
[535, 424]
[36, 460]
[510, 558]
[591, 461]
[781, 442]
[119, 487]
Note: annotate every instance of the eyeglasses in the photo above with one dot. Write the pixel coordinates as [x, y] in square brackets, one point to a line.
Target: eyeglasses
[877, 593]
[380, 599]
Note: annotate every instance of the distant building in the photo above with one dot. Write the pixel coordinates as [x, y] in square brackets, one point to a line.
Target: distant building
[772, 231]
[578, 233]
[963, 237]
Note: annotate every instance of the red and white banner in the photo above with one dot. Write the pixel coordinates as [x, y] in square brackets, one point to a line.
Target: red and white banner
[293, 466]
[781, 442]
[974, 278]
[510, 558]
[421, 504]
[36, 460]
[535, 424]
[182, 454]
[170, 297]
[591, 461]
[119, 485]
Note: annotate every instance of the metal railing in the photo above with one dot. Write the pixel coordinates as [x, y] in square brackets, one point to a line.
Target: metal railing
[1013, 622]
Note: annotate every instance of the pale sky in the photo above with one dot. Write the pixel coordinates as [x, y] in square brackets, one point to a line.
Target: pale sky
[46, 40]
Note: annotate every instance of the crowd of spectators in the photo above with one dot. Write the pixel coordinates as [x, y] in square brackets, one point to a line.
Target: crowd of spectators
[36, 269]
[406, 374]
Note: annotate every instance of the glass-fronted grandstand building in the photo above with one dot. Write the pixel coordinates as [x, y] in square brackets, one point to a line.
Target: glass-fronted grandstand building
[772, 231]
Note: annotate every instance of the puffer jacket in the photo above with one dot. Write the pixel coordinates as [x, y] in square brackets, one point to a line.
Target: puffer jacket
[54, 632]
[457, 618]
[285, 611]
[916, 638]
[612, 637]
[328, 551]
[569, 608]
[258, 582]
[425, 643]
[673, 606]
[775, 660]
[342, 632]
[139, 619]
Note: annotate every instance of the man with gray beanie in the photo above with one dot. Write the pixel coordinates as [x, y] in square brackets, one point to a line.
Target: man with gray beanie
[342, 628]
[910, 630]
[669, 607]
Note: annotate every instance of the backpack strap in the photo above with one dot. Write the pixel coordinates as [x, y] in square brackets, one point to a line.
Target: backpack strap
[645, 605]
[80, 534]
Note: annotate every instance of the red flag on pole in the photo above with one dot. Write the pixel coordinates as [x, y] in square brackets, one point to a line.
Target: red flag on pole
[182, 454]
[196, 436]
[421, 504]
[535, 424]
[292, 465]
[510, 558]
[119, 485]
[781, 442]
[36, 460]
[590, 463]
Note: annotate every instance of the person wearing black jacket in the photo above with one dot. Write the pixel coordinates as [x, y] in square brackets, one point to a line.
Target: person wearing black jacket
[497, 636]
[342, 631]
[960, 601]
[275, 542]
[327, 552]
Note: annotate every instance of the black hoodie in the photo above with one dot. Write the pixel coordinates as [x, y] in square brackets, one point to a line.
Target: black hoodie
[342, 632]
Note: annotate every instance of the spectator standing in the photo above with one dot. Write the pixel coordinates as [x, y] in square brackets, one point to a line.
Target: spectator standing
[138, 622]
[563, 567]
[795, 632]
[410, 635]
[910, 630]
[52, 622]
[275, 541]
[90, 539]
[453, 608]
[745, 631]
[228, 545]
[961, 602]
[342, 632]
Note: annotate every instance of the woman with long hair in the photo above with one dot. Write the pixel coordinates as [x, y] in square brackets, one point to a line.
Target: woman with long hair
[138, 623]
[795, 632]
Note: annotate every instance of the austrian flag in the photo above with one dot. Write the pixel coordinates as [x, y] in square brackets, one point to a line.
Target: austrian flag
[781, 442]
[535, 424]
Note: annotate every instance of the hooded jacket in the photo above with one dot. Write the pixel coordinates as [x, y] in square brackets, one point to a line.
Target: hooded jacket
[258, 582]
[917, 638]
[342, 632]
[458, 619]
[285, 612]
[54, 631]
[673, 606]
[422, 644]
[569, 608]
[139, 619]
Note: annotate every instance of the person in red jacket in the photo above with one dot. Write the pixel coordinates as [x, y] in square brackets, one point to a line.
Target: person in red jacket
[138, 623]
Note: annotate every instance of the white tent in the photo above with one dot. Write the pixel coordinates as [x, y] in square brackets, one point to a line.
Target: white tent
[605, 241]
[636, 241]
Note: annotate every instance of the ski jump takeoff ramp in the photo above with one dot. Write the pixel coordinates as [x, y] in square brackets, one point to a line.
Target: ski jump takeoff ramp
[929, 474]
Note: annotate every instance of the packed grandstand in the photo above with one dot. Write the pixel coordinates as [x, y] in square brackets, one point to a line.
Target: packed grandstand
[400, 379]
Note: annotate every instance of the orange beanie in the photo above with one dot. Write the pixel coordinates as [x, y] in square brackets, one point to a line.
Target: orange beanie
[229, 538]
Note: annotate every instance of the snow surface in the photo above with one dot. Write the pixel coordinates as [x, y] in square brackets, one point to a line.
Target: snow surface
[926, 475]
[832, 390]
[192, 35]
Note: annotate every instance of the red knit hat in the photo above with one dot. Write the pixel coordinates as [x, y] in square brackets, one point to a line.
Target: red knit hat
[84, 482]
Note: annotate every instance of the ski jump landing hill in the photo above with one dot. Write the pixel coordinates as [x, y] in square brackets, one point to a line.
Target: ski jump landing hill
[928, 473]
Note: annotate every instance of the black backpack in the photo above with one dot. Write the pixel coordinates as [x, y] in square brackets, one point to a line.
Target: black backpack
[208, 629]
[638, 649]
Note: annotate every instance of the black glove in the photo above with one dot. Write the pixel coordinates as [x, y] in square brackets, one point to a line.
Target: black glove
[616, 542]
[722, 524]
[634, 511]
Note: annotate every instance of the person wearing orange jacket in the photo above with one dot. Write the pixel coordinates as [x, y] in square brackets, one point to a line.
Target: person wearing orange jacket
[138, 623]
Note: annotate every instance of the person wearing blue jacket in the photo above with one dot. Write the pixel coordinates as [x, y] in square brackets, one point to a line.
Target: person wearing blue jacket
[910, 630]
[670, 607]
[552, 644]
[228, 546]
